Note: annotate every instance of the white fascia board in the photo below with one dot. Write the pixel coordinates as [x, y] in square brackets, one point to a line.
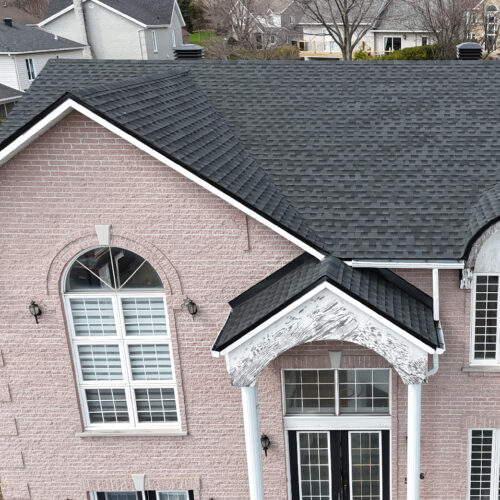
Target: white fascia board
[176, 6]
[55, 16]
[44, 50]
[407, 264]
[10, 99]
[102, 4]
[328, 286]
[69, 105]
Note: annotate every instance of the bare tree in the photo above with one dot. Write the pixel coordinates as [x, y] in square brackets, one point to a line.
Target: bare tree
[446, 21]
[346, 21]
[34, 7]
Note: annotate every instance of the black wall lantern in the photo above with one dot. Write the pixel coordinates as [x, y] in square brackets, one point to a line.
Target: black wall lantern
[265, 443]
[35, 310]
[191, 306]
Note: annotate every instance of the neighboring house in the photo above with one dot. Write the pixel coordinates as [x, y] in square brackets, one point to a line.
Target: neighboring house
[17, 15]
[8, 97]
[483, 24]
[24, 51]
[396, 27]
[205, 259]
[119, 29]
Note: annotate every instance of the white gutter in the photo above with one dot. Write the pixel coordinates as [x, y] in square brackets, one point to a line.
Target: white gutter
[407, 264]
[41, 51]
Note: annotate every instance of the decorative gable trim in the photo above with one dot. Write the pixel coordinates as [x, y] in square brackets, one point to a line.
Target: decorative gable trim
[42, 125]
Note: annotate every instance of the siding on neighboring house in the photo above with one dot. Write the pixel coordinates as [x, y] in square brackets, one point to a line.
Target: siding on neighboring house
[8, 74]
[164, 39]
[65, 26]
[39, 61]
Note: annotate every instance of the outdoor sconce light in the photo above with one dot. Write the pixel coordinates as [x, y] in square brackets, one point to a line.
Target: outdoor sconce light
[35, 310]
[265, 443]
[191, 306]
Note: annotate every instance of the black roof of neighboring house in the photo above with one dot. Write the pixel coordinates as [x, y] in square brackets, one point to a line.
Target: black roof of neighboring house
[150, 12]
[382, 159]
[8, 94]
[22, 38]
[381, 290]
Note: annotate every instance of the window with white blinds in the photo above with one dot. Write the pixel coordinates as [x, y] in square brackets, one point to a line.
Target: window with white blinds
[484, 342]
[121, 342]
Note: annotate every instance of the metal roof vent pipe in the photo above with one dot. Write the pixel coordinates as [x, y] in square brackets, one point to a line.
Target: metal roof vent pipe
[469, 51]
[8, 21]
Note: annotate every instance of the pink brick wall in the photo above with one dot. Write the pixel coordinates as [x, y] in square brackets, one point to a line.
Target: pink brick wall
[79, 175]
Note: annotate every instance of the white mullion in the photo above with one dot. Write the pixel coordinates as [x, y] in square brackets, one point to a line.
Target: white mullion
[337, 392]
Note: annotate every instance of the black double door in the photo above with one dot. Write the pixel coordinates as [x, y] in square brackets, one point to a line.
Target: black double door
[339, 465]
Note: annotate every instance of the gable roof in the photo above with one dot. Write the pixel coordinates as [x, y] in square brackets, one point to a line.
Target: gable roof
[380, 290]
[24, 39]
[169, 113]
[149, 12]
[383, 159]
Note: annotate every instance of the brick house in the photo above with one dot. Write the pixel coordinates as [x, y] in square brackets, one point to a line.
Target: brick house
[194, 270]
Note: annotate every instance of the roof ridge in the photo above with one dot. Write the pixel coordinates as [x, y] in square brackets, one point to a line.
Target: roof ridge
[128, 83]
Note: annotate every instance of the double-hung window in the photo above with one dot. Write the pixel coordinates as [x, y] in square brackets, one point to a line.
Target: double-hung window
[484, 464]
[484, 341]
[117, 317]
[30, 68]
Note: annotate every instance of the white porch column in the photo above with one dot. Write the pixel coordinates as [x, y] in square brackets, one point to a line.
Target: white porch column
[252, 442]
[413, 442]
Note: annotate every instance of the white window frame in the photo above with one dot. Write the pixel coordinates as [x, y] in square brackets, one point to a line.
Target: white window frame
[30, 68]
[472, 359]
[392, 37]
[155, 43]
[127, 383]
[93, 494]
[379, 459]
[495, 461]
[329, 458]
[337, 416]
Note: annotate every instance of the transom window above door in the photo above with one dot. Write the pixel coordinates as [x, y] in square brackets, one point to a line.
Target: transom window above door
[337, 392]
[120, 338]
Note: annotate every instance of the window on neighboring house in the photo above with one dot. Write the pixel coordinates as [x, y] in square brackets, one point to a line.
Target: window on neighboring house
[120, 338]
[484, 464]
[30, 67]
[155, 44]
[485, 319]
[491, 27]
[138, 495]
[173, 39]
[292, 19]
[392, 43]
[424, 41]
[272, 39]
[337, 392]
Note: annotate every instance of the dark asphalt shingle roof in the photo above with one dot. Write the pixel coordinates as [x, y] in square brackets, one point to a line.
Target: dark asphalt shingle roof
[150, 12]
[22, 38]
[8, 93]
[383, 159]
[381, 290]
[169, 112]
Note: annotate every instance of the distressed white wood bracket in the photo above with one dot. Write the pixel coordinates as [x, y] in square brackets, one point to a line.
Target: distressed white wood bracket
[326, 316]
[103, 233]
[466, 280]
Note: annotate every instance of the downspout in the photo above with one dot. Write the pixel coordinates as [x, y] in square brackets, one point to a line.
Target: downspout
[80, 19]
[435, 308]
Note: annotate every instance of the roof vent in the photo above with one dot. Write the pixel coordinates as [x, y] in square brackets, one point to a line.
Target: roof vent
[8, 21]
[188, 51]
[469, 51]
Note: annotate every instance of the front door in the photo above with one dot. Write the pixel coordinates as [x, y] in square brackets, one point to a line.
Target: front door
[339, 465]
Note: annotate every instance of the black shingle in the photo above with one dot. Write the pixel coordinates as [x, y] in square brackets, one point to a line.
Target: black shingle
[383, 159]
[22, 38]
[382, 291]
[150, 12]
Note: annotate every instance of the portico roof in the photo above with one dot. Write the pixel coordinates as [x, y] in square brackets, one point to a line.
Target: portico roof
[381, 290]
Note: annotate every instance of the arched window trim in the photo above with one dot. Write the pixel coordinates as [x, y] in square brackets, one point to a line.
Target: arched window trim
[135, 351]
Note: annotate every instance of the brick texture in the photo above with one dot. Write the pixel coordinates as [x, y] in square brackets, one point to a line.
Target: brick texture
[51, 196]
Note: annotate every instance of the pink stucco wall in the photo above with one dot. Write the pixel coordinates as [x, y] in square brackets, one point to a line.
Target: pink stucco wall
[51, 196]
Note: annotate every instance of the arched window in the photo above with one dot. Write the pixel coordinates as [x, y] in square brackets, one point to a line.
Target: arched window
[117, 318]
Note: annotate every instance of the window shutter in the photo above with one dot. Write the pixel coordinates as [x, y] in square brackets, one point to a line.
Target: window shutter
[151, 495]
[294, 468]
